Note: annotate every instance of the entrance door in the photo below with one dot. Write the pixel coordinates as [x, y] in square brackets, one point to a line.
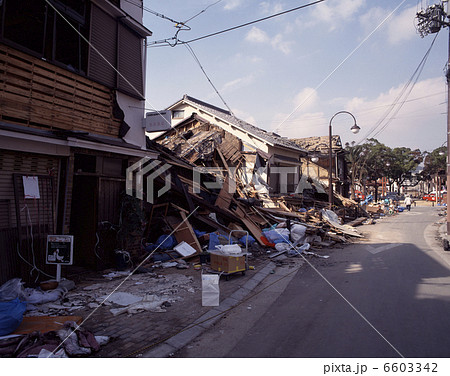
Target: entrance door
[83, 219]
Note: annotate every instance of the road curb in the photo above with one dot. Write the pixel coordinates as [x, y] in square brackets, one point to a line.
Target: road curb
[207, 320]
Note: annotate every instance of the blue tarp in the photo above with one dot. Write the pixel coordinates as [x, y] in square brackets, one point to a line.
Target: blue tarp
[11, 315]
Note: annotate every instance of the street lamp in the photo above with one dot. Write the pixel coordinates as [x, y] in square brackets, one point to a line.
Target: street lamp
[355, 129]
[315, 154]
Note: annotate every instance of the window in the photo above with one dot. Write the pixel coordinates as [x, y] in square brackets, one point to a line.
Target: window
[35, 26]
[178, 114]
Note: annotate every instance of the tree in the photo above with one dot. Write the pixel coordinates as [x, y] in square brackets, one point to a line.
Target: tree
[373, 160]
[355, 158]
[403, 163]
[434, 163]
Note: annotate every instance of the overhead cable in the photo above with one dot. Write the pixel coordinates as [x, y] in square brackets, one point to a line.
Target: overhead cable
[338, 66]
[405, 92]
[249, 23]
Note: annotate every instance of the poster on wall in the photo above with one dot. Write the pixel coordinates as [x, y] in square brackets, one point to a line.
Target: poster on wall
[31, 186]
[59, 249]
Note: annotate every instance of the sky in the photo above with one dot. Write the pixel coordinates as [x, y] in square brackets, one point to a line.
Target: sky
[291, 73]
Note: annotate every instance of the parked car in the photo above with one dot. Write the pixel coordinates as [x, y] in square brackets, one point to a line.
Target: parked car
[429, 197]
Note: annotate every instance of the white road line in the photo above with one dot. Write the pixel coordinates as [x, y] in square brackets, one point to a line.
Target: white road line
[375, 250]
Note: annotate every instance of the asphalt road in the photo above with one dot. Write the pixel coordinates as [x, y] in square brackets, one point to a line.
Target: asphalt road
[388, 296]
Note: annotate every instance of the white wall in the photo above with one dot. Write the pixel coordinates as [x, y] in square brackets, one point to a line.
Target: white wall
[133, 10]
[134, 117]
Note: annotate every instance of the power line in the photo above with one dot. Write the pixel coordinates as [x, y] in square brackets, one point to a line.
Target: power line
[100, 54]
[415, 77]
[141, 6]
[189, 48]
[253, 22]
[215, 89]
[202, 11]
[339, 65]
[364, 111]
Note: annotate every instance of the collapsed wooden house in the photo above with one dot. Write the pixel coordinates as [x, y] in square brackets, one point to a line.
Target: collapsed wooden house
[211, 142]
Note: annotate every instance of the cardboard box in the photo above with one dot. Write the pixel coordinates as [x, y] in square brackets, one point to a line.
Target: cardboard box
[227, 264]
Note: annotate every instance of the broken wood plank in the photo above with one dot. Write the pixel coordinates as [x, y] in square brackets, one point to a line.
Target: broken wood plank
[183, 231]
[356, 222]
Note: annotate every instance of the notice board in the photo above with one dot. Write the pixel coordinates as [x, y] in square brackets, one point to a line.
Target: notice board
[59, 249]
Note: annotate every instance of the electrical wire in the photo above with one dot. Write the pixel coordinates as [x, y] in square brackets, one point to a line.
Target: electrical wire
[33, 265]
[365, 111]
[121, 283]
[140, 6]
[202, 11]
[339, 65]
[102, 56]
[217, 92]
[395, 107]
[253, 22]
[189, 48]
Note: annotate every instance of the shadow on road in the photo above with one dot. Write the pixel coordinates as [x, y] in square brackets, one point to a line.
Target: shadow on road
[401, 290]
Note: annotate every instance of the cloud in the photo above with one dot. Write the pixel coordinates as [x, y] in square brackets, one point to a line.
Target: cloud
[256, 35]
[306, 99]
[268, 8]
[278, 42]
[401, 27]
[398, 28]
[232, 4]
[238, 83]
[333, 12]
[422, 114]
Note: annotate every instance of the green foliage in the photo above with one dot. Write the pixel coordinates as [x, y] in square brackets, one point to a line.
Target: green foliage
[434, 163]
[373, 160]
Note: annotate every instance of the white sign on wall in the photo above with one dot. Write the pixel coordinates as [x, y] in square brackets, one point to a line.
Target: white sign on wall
[31, 186]
[158, 121]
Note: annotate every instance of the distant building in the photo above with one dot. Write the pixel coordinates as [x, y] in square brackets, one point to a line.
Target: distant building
[318, 147]
[200, 129]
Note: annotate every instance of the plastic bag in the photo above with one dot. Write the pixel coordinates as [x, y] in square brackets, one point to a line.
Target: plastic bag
[11, 315]
[11, 290]
[35, 296]
[279, 235]
[210, 290]
[247, 240]
[298, 233]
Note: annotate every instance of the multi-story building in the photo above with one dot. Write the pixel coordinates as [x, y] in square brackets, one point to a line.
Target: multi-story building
[72, 83]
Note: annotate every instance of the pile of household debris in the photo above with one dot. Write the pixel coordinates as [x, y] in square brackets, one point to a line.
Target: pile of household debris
[36, 321]
[47, 336]
[194, 216]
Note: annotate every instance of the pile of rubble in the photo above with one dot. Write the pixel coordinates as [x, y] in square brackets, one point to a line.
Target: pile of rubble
[196, 215]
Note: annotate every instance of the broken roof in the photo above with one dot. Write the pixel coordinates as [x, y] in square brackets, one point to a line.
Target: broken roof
[319, 143]
[227, 116]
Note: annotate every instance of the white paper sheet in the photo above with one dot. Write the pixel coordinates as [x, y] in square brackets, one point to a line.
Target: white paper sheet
[31, 186]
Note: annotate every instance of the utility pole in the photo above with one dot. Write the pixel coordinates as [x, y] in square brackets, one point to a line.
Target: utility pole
[430, 21]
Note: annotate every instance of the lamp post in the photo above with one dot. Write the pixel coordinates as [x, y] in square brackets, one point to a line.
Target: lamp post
[355, 129]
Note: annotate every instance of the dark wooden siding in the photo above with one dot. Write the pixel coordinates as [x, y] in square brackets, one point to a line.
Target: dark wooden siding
[30, 219]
